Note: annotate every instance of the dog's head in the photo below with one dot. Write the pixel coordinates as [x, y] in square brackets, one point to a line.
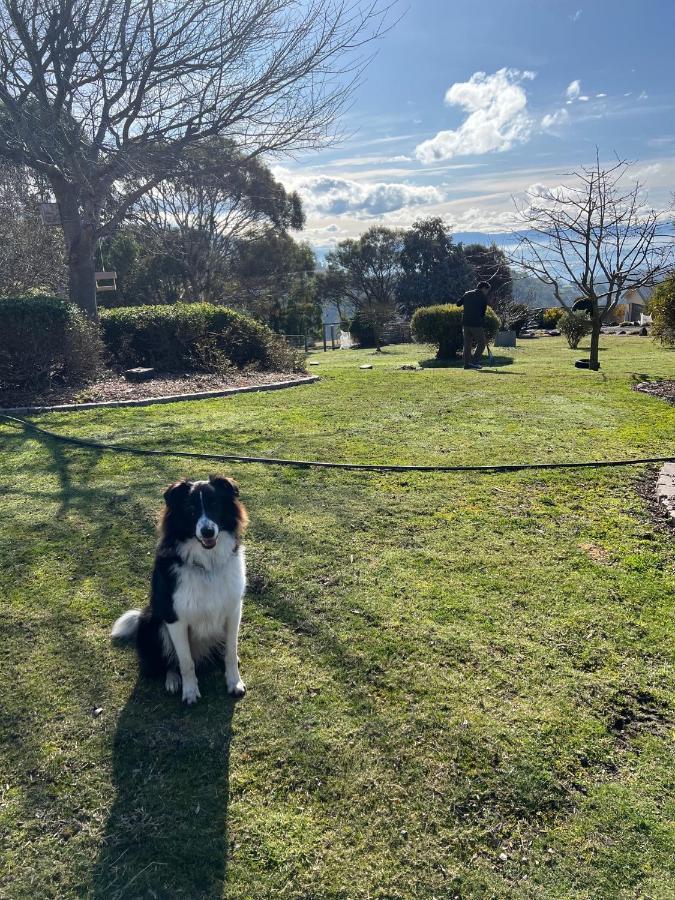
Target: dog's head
[202, 510]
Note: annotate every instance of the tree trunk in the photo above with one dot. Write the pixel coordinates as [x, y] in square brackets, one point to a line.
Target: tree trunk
[80, 240]
[82, 276]
[594, 362]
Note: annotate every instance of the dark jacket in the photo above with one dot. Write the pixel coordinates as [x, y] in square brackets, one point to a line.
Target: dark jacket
[475, 305]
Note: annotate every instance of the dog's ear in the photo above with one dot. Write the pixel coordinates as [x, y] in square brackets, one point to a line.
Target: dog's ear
[177, 492]
[226, 485]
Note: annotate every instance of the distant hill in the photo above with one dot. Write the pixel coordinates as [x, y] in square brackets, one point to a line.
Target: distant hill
[535, 294]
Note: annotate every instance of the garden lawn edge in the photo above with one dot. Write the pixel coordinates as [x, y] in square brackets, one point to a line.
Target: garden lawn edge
[169, 398]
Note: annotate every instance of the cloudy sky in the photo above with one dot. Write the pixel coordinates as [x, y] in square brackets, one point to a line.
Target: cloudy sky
[468, 104]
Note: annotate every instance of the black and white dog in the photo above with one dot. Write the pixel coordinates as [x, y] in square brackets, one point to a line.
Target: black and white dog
[198, 584]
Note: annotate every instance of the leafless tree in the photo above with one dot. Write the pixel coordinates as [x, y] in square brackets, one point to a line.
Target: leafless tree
[595, 234]
[103, 97]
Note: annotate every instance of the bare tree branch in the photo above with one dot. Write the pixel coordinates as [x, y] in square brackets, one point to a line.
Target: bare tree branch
[595, 233]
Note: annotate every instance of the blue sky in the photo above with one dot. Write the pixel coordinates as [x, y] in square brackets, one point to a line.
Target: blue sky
[469, 104]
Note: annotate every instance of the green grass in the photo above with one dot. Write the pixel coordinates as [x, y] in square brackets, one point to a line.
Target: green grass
[459, 685]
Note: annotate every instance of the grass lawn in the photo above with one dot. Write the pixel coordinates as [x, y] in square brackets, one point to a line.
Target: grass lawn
[459, 685]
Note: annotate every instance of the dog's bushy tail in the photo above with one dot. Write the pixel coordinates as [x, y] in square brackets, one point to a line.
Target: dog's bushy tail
[126, 626]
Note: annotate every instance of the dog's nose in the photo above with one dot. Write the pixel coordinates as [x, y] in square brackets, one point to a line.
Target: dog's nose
[208, 531]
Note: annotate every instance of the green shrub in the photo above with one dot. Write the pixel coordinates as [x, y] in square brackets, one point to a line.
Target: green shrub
[362, 332]
[442, 325]
[45, 338]
[193, 337]
[661, 308]
[551, 317]
[574, 326]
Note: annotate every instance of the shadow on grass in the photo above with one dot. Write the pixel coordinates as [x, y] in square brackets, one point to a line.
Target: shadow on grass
[458, 363]
[166, 834]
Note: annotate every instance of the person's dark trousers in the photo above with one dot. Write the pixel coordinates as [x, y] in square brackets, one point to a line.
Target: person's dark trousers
[473, 336]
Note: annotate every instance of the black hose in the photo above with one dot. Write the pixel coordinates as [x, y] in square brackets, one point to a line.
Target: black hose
[317, 464]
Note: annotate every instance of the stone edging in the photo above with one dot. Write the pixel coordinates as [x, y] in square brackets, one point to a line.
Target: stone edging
[665, 491]
[169, 398]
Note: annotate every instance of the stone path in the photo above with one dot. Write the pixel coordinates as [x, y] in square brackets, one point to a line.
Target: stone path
[665, 491]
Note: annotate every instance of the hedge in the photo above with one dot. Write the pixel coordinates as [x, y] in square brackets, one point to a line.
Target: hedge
[193, 337]
[442, 325]
[551, 316]
[661, 308]
[45, 338]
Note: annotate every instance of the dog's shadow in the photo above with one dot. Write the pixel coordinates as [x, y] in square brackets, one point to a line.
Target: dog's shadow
[166, 834]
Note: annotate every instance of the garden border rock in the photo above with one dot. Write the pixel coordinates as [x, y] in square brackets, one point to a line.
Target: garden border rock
[169, 398]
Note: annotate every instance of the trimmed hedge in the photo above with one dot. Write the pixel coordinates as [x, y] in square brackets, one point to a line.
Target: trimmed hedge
[193, 337]
[42, 338]
[442, 325]
[661, 308]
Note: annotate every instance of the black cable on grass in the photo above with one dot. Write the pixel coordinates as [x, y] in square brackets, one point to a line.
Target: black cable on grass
[318, 464]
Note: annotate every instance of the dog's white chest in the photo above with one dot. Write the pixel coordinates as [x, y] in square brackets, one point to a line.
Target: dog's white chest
[209, 587]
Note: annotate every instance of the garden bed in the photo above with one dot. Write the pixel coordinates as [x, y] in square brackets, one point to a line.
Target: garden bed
[663, 389]
[113, 387]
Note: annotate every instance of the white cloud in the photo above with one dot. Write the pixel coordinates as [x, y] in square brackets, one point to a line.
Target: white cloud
[601, 95]
[577, 15]
[497, 116]
[573, 89]
[643, 95]
[326, 195]
[583, 98]
[556, 120]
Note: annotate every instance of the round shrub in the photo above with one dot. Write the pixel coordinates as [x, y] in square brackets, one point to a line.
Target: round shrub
[661, 308]
[551, 317]
[45, 338]
[194, 337]
[442, 325]
[574, 326]
[362, 332]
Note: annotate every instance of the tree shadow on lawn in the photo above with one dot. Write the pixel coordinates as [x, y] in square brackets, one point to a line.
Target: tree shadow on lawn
[166, 830]
[166, 834]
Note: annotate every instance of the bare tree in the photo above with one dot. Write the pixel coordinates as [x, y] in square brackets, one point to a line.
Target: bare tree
[216, 196]
[103, 97]
[596, 235]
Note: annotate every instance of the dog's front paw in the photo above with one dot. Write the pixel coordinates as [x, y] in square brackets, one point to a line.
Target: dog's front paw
[236, 688]
[191, 692]
[172, 682]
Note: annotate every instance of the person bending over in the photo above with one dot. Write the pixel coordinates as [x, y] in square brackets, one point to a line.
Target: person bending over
[474, 304]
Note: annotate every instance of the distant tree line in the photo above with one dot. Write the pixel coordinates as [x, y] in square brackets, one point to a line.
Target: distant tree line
[390, 271]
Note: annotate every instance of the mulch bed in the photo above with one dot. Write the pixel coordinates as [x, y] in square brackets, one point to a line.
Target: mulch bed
[665, 390]
[115, 387]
